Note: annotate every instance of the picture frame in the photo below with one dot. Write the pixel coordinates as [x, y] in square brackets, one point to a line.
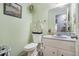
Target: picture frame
[13, 9]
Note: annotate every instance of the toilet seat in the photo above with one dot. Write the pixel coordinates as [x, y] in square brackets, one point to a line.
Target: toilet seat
[30, 47]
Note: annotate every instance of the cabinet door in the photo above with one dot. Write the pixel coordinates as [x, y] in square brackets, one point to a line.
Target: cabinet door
[49, 51]
[62, 52]
[68, 45]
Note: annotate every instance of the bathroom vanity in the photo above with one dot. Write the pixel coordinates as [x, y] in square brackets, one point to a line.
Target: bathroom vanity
[59, 46]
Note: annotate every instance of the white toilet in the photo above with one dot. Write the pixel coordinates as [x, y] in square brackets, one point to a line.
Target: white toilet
[32, 47]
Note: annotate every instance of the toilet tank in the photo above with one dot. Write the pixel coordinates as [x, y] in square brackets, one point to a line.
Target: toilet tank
[37, 37]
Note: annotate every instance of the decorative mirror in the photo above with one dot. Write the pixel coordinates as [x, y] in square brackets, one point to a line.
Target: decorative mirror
[60, 17]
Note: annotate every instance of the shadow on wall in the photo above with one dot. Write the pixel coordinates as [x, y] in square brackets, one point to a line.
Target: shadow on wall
[24, 53]
[30, 38]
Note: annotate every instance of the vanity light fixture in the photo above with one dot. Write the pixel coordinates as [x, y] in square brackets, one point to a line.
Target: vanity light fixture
[61, 4]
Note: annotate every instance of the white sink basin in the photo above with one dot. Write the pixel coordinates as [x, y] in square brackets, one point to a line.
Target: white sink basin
[62, 36]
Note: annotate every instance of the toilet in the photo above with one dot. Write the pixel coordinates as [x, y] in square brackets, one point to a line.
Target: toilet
[31, 48]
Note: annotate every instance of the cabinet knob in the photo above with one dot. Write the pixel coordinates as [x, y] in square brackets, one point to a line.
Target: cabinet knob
[62, 55]
[53, 52]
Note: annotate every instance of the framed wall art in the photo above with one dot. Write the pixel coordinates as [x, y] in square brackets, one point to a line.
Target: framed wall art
[13, 9]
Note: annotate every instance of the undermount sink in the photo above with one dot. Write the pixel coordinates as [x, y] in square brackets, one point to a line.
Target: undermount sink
[66, 35]
[59, 37]
[62, 36]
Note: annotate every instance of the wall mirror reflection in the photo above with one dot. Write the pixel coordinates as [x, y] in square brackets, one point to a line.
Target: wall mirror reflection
[62, 22]
[62, 19]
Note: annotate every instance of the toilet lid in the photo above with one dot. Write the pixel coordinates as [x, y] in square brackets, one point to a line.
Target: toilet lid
[31, 45]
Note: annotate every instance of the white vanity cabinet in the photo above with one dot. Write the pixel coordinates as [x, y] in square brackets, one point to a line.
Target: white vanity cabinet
[62, 52]
[49, 51]
[58, 47]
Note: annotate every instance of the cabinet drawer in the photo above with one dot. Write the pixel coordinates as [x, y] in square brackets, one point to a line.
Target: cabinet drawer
[62, 52]
[48, 51]
[59, 44]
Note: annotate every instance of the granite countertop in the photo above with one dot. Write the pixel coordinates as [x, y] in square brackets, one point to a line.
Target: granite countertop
[66, 38]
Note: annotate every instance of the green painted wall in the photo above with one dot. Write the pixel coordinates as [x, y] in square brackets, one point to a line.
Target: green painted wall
[14, 32]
